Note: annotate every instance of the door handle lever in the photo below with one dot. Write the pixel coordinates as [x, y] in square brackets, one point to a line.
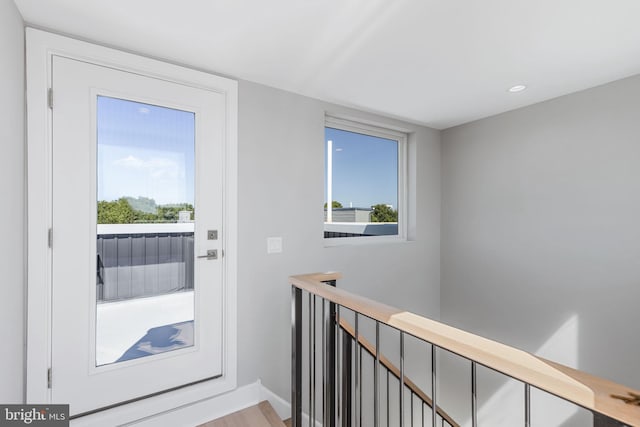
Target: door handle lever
[211, 254]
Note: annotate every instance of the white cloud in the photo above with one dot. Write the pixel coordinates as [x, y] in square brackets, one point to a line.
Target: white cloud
[156, 167]
[164, 176]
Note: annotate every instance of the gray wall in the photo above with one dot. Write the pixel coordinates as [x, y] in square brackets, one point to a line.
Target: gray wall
[281, 177]
[541, 229]
[12, 212]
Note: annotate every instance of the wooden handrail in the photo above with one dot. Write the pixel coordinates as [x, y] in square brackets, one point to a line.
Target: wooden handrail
[370, 348]
[588, 391]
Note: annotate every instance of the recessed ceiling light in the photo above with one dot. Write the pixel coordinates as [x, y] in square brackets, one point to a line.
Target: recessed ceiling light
[517, 88]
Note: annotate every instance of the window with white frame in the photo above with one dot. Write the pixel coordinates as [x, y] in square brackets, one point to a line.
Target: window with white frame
[364, 187]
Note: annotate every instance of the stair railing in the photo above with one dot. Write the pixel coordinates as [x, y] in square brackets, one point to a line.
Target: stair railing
[390, 369]
[612, 404]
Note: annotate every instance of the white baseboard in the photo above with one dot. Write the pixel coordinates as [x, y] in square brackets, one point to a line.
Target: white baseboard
[178, 408]
[199, 412]
[206, 410]
[281, 406]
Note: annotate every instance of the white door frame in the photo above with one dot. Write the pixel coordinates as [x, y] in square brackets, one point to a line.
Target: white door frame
[41, 46]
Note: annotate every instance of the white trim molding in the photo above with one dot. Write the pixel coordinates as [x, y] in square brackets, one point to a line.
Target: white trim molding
[41, 47]
[193, 413]
[282, 407]
[198, 412]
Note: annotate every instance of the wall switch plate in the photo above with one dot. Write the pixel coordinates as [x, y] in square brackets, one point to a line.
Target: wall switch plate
[274, 245]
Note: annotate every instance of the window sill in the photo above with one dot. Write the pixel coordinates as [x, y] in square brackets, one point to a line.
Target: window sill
[359, 241]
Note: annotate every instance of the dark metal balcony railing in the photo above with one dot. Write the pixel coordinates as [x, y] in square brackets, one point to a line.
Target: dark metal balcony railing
[135, 265]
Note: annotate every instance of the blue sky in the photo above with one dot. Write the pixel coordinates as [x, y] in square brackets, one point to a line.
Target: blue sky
[365, 169]
[145, 150]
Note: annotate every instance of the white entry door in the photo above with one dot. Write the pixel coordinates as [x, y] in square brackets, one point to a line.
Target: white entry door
[137, 266]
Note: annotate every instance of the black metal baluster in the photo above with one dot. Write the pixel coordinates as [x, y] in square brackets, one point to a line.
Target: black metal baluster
[330, 389]
[474, 398]
[388, 398]
[357, 376]
[401, 379]
[360, 374]
[527, 405]
[411, 408]
[311, 362]
[434, 375]
[338, 379]
[313, 407]
[296, 357]
[329, 374]
[324, 362]
[376, 380]
[347, 378]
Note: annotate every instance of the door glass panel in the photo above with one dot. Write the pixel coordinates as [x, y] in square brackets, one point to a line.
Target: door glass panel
[145, 230]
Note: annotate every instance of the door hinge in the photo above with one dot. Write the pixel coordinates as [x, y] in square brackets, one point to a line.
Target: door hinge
[50, 238]
[49, 378]
[50, 98]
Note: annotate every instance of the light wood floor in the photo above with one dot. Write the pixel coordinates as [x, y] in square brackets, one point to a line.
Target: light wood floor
[260, 415]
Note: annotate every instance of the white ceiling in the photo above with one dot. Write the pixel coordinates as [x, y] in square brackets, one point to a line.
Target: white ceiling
[435, 62]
